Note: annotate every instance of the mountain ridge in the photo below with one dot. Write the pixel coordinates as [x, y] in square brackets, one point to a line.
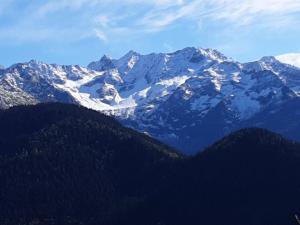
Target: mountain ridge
[65, 164]
[170, 96]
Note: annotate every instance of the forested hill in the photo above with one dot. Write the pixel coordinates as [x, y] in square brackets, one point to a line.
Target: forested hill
[251, 177]
[65, 161]
[64, 164]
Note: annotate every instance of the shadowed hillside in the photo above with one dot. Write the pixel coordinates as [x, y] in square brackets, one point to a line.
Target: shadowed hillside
[64, 164]
[60, 161]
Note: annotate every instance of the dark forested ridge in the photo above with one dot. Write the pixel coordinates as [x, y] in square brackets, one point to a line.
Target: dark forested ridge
[251, 177]
[64, 164]
[65, 161]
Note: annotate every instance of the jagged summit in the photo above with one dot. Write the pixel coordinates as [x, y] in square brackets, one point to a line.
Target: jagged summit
[269, 59]
[130, 54]
[170, 96]
[34, 62]
[105, 63]
[130, 59]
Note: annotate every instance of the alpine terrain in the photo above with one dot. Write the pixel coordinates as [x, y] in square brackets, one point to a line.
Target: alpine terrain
[187, 99]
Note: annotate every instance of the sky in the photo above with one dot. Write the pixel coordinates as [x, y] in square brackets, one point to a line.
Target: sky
[81, 31]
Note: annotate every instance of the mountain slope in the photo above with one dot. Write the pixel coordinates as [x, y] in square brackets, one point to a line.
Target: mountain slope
[63, 164]
[250, 177]
[63, 161]
[188, 98]
[283, 119]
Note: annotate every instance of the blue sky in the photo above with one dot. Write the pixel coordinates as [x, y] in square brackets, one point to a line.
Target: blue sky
[80, 31]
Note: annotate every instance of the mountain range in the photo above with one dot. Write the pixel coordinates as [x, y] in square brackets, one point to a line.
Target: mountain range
[188, 99]
[65, 164]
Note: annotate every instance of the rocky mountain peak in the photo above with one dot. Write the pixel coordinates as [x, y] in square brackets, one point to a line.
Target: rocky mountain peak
[171, 96]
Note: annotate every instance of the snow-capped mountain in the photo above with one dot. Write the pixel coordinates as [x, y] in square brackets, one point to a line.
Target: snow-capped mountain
[175, 97]
[291, 58]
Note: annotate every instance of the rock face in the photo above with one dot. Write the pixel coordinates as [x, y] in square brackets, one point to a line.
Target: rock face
[187, 99]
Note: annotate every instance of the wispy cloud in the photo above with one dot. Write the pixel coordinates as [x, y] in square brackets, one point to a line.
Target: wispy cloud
[235, 12]
[249, 11]
[111, 19]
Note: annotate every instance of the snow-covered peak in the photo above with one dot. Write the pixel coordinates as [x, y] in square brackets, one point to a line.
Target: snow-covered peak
[34, 62]
[105, 63]
[271, 63]
[135, 80]
[131, 54]
[51, 73]
[188, 51]
[197, 55]
[2, 67]
[269, 59]
[168, 95]
[159, 62]
[215, 55]
[291, 58]
[265, 63]
[128, 61]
